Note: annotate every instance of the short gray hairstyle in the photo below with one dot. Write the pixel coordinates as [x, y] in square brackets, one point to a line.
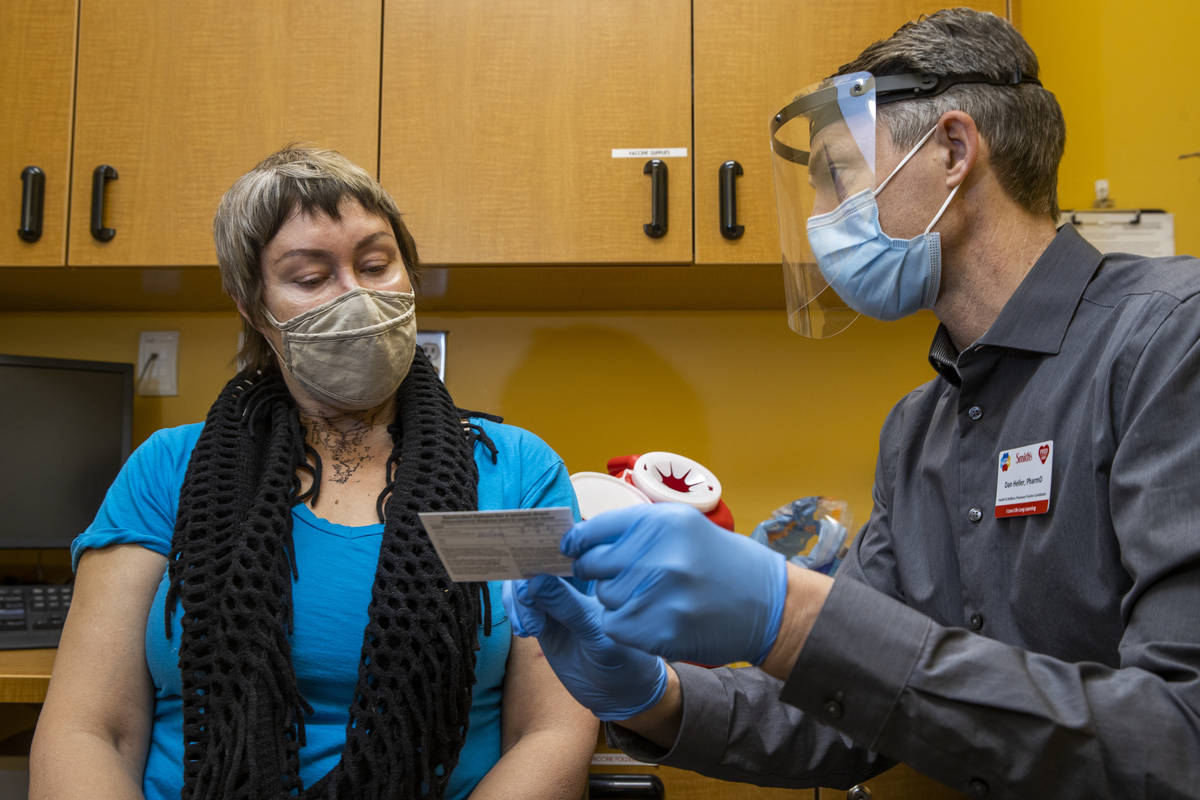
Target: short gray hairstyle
[297, 178]
[1022, 124]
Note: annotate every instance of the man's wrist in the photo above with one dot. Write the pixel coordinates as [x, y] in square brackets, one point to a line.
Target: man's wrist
[806, 595]
[660, 723]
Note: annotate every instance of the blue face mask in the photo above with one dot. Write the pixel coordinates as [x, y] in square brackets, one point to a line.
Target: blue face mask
[877, 275]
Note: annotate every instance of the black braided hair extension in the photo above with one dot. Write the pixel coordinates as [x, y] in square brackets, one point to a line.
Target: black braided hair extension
[231, 566]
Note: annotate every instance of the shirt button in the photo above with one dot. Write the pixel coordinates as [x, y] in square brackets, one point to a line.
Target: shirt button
[833, 706]
[976, 622]
[974, 515]
[975, 412]
[978, 787]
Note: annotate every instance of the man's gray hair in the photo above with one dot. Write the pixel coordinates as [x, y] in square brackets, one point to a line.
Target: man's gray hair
[300, 179]
[1022, 125]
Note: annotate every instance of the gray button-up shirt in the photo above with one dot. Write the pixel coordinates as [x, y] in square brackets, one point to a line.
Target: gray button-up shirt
[1051, 655]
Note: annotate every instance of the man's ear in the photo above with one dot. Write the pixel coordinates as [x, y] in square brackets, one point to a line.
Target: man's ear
[959, 139]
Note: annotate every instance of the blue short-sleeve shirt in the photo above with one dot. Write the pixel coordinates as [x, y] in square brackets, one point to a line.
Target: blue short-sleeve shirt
[336, 566]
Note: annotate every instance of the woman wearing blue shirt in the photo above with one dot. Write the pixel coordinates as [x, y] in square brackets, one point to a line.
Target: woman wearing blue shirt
[257, 610]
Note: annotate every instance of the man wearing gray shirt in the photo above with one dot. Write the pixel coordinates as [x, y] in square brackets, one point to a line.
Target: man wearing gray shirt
[1020, 616]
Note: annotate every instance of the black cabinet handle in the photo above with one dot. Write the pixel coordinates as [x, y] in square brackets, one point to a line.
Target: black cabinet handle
[100, 176]
[656, 168]
[32, 196]
[625, 786]
[728, 173]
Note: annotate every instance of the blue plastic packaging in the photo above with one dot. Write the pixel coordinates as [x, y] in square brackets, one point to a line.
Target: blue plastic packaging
[812, 532]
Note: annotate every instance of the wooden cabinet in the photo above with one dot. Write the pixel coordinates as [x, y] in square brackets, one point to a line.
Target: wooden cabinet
[500, 122]
[679, 783]
[898, 783]
[37, 60]
[181, 98]
[751, 57]
[509, 133]
[178, 99]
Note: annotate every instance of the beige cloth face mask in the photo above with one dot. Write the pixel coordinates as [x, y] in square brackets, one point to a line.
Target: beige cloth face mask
[354, 351]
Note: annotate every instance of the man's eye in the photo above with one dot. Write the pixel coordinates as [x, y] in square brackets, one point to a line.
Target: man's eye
[835, 174]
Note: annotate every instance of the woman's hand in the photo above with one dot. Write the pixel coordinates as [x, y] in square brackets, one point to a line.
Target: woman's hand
[613, 680]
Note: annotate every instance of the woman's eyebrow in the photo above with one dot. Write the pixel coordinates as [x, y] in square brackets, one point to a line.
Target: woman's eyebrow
[311, 252]
[321, 253]
[371, 238]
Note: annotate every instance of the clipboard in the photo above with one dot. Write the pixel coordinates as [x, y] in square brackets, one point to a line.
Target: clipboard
[1142, 231]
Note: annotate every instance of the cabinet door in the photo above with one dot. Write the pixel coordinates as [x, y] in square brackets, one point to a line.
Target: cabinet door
[180, 98]
[500, 122]
[37, 60]
[751, 57]
[901, 782]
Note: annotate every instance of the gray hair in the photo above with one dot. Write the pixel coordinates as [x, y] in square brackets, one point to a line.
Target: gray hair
[1023, 124]
[297, 178]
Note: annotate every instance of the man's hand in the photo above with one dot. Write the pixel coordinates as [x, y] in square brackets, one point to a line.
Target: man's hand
[674, 584]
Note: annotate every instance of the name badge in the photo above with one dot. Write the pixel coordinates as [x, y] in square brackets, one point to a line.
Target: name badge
[1023, 480]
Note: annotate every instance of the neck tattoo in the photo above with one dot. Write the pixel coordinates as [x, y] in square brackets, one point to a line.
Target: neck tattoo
[344, 444]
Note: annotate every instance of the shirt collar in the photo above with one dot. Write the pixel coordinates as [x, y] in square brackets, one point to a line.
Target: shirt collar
[1037, 315]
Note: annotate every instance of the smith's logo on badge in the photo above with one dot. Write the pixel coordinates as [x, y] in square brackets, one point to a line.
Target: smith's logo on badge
[1023, 482]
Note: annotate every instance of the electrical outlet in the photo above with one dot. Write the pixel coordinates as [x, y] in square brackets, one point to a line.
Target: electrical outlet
[157, 363]
[434, 345]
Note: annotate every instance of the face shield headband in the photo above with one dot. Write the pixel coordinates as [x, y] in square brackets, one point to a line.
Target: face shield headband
[823, 151]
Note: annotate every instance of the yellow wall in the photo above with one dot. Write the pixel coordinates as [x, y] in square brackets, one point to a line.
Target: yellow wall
[1124, 75]
[773, 415]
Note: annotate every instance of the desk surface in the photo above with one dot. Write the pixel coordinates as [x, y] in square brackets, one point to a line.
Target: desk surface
[25, 674]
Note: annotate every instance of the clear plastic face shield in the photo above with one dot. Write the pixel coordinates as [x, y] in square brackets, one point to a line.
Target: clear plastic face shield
[823, 151]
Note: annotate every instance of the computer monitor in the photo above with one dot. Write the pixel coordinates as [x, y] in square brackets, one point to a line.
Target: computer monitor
[65, 430]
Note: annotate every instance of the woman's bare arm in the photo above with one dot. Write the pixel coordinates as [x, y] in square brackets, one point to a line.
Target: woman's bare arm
[94, 729]
[547, 738]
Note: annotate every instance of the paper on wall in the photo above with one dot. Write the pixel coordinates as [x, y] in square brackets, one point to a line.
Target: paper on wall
[1143, 233]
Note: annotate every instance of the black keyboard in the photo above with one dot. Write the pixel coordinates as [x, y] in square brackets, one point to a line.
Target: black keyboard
[32, 616]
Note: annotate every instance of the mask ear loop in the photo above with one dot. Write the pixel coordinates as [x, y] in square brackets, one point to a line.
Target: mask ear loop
[278, 355]
[942, 210]
[275, 323]
[905, 160]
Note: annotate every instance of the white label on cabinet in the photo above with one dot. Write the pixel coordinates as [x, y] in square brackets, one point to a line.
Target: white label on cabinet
[649, 152]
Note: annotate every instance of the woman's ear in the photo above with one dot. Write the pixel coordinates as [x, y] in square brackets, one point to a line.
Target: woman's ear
[959, 138]
[249, 323]
[245, 315]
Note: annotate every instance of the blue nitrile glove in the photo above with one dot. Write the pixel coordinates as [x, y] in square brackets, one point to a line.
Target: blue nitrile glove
[613, 681]
[675, 584]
